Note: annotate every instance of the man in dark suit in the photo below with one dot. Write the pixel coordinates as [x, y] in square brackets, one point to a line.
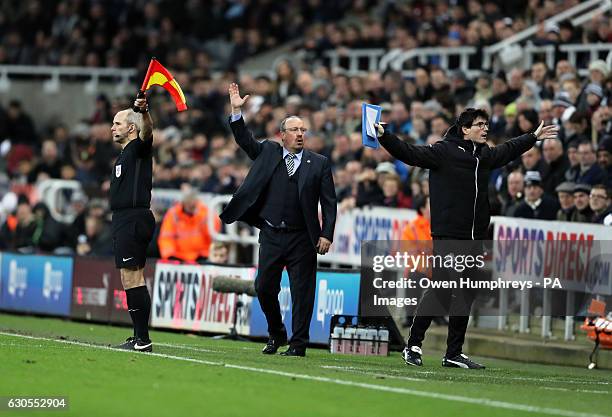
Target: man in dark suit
[280, 196]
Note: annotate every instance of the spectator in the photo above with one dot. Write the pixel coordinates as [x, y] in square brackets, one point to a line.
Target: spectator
[599, 201]
[583, 212]
[19, 126]
[537, 205]
[22, 237]
[392, 192]
[589, 173]
[604, 158]
[50, 234]
[184, 233]
[49, 166]
[97, 240]
[514, 195]
[219, 253]
[532, 160]
[556, 165]
[419, 228]
[566, 201]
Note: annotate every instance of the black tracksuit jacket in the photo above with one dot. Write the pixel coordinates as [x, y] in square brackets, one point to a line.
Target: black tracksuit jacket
[458, 178]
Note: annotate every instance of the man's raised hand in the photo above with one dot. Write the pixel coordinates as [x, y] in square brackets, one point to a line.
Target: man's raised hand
[235, 100]
[546, 132]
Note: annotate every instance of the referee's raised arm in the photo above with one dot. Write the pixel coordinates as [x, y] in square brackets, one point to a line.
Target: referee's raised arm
[147, 122]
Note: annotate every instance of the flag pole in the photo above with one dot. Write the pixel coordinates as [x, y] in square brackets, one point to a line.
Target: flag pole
[141, 92]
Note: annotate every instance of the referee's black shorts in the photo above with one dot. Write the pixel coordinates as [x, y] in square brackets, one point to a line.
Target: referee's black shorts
[132, 233]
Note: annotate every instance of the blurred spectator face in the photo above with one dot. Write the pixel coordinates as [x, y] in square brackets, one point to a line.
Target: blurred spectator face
[533, 193]
[342, 145]
[439, 126]
[416, 109]
[593, 100]
[284, 71]
[581, 200]
[421, 78]
[425, 186]
[438, 79]
[219, 254]
[293, 134]
[572, 155]
[572, 87]
[515, 79]
[516, 183]
[49, 151]
[598, 200]
[93, 225]
[499, 86]
[316, 143]
[566, 200]
[390, 186]
[190, 202]
[305, 83]
[586, 155]
[399, 114]
[552, 150]
[531, 158]
[603, 158]
[538, 72]
[341, 178]
[524, 124]
[24, 214]
[563, 67]
[353, 168]
[546, 111]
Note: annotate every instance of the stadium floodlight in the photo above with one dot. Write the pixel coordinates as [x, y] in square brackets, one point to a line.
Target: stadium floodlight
[52, 85]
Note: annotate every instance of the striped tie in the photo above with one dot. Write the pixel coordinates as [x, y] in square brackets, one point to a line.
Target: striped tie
[289, 162]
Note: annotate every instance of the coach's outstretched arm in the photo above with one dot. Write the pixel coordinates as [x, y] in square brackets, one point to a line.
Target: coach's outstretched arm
[513, 148]
[244, 137]
[429, 156]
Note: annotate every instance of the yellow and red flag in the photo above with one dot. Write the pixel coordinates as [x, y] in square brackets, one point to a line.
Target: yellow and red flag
[157, 74]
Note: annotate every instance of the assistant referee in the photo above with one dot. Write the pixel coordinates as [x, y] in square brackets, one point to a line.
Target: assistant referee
[133, 223]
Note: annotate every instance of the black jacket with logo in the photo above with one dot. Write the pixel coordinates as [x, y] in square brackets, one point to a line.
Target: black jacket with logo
[458, 178]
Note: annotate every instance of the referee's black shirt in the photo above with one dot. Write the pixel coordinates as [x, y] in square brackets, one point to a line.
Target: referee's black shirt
[132, 176]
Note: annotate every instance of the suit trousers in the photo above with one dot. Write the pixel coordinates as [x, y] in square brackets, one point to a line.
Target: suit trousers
[294, 250]
[456, 303]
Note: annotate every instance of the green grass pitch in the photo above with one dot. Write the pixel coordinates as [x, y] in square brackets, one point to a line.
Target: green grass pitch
[197, 376]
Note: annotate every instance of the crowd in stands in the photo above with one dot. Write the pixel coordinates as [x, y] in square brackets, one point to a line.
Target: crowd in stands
[567, 179]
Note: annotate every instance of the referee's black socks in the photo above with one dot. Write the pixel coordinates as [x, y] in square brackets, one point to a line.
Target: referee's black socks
[139, 305]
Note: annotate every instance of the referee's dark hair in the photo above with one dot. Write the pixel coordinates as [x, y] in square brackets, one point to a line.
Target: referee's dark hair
[467, 117]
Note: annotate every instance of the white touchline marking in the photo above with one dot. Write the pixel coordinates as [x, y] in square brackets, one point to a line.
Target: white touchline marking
[186, 347]
[590, 391]
[383, 388]
[473, 375]
[375, 374]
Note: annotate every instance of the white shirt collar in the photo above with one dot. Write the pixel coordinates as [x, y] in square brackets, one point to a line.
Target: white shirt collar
[298, 155]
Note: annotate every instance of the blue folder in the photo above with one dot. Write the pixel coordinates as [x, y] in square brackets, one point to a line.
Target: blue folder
[370, 115]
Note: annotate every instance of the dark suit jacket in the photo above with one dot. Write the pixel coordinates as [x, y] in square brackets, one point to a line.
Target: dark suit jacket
[315, 183]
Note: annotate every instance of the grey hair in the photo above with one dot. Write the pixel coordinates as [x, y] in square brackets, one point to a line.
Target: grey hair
[131, 117]
[284, 121]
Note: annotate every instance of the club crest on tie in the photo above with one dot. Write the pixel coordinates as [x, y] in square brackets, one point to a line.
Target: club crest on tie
[118, 171]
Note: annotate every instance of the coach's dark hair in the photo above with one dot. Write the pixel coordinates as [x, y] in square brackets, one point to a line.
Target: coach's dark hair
[467, 117]
[284, 121]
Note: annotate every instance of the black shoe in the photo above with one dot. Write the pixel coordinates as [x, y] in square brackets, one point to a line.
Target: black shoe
[273, 344]
[143, 346]
[461, 361]
[412, 356]
[132, 343]
[294, 352]
[128, 345]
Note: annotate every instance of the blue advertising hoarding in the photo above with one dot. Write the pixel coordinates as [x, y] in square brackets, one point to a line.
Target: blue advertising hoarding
[337, 293]
[37, 284]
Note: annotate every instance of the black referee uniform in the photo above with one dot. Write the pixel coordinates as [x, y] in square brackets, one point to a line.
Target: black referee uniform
[130, 201]
[133, 225]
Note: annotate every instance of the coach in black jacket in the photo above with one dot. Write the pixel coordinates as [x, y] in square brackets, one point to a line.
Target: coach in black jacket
[280, 196]
[459, 166]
